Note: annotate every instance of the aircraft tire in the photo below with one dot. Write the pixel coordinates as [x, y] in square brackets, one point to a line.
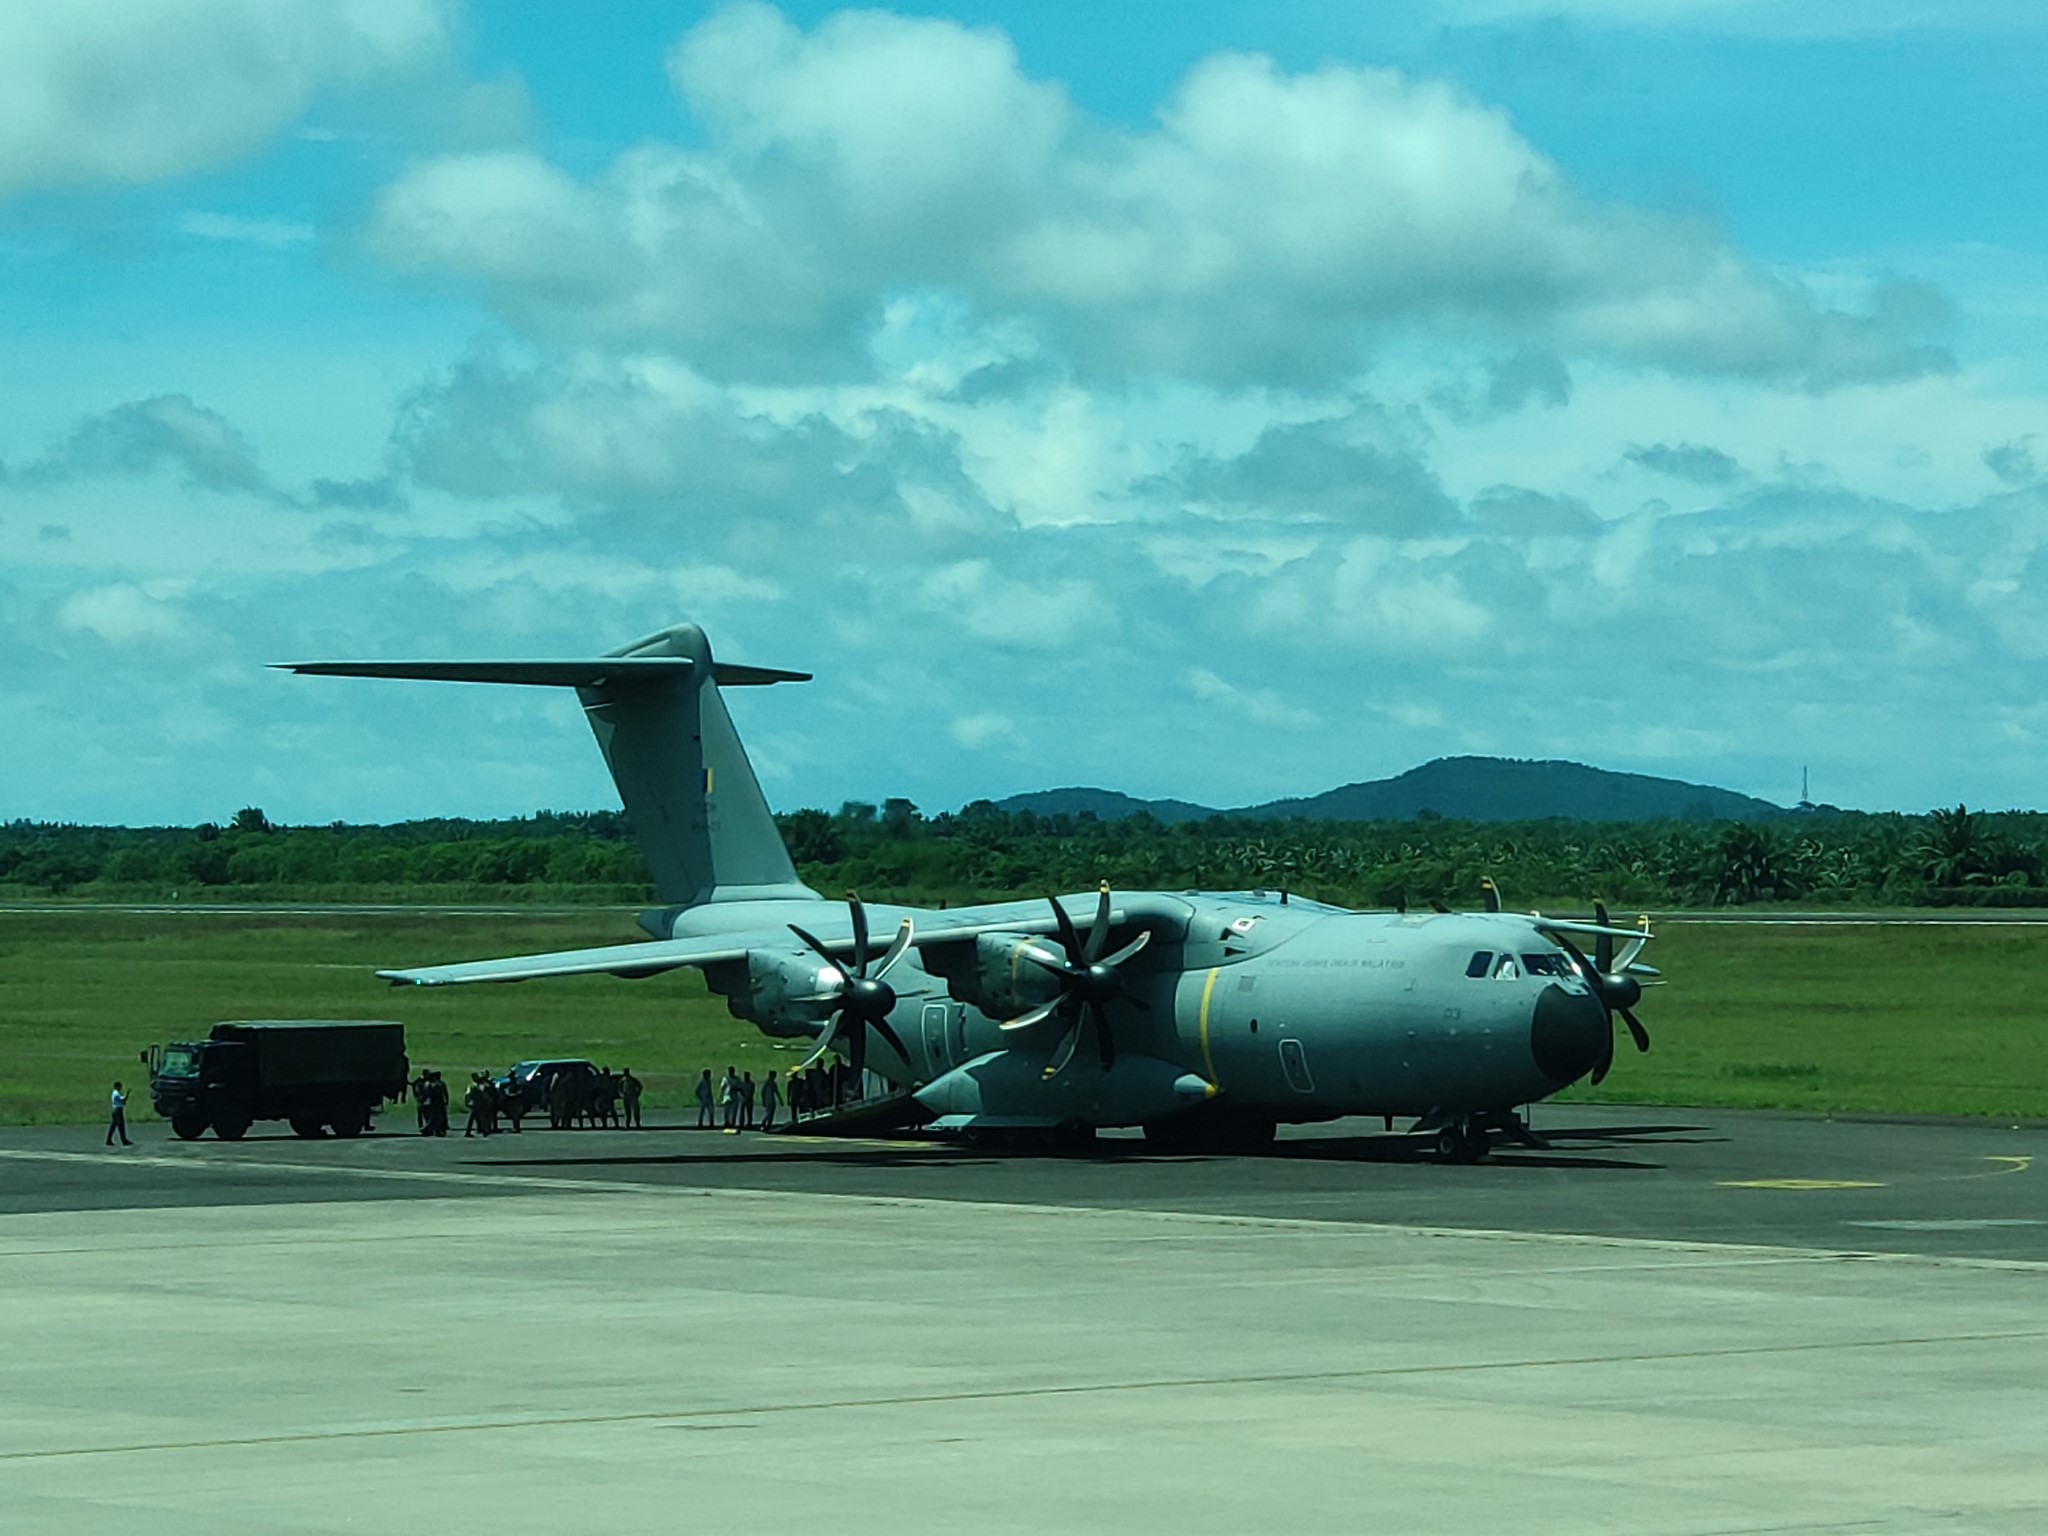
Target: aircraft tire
[188, 1127]
[1461, 1142]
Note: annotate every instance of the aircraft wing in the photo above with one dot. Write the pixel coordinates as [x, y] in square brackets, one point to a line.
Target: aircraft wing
[646, 958]
[651, 957]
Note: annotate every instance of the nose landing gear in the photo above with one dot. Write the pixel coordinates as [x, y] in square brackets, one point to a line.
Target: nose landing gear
[1464, 1140]
[1468, 1138]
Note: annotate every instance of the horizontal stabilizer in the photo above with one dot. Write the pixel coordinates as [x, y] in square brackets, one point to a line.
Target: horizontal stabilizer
[594, 673]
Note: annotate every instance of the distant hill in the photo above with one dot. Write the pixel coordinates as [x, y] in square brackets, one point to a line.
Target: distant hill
[1464, 788]
[1106, 804]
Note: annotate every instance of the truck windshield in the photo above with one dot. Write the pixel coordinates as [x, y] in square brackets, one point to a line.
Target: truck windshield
[178, 1061]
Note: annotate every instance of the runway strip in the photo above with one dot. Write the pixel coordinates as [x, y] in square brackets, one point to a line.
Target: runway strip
[539, 1183]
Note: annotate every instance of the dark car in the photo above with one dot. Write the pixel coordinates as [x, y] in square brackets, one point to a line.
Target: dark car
[530, 1080]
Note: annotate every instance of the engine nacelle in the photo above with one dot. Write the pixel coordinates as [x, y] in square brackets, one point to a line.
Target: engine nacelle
[989, 972]
[786, 993]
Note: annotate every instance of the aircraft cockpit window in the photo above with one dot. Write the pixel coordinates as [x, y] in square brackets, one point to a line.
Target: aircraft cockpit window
[1505, 969]
[1546, 965]
[1481, 963]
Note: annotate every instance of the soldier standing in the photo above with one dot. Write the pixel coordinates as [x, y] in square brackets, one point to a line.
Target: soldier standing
[729, 1098]
[704, 1100]
[771, 1100]
[629, 1090]
[477, 1100]
[422, 1096]
[747, 1102]
[437, 1113]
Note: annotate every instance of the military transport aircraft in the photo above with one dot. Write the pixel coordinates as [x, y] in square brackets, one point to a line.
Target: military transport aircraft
[1204, 1017]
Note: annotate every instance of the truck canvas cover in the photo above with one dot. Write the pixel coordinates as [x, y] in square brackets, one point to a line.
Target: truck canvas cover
[294, 1051]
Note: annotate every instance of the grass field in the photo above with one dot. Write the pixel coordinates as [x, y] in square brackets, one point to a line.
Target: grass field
[1905, 1019]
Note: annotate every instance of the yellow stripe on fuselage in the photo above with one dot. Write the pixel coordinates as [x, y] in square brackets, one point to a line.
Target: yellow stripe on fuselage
[1208, 1061]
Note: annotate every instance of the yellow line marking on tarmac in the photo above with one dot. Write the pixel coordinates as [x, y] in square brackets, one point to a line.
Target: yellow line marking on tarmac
[1797, 1184]
[2013, 1165]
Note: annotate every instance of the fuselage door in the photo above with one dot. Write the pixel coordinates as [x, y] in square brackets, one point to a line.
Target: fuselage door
[937, 1042]
[1294, 1062]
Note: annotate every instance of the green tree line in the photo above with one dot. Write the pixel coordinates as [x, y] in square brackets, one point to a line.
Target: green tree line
[894, 852]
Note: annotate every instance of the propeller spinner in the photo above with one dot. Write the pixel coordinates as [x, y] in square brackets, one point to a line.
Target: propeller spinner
[860, 1000]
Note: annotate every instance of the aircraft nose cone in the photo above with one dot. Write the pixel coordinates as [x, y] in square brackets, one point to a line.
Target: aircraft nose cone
[1567, 1036]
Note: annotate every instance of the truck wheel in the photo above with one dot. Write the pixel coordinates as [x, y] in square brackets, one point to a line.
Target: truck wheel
[349, 1123]
[230, 1125]
[308, 1126]
[188, 1126]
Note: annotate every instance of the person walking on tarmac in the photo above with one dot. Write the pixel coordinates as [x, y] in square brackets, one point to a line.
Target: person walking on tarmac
[630, 1088]
[747, 1102]
[705, 1098]
[117, 1116]
[729, 1098]
[771, 1100]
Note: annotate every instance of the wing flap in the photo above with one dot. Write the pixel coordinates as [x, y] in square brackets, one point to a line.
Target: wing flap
[639, 959]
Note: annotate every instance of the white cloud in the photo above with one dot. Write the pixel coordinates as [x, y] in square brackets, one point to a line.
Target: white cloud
[977, 732]
[125, 615]
[1263, 706]
[139, 90]
[1269, 227]
[270, 234]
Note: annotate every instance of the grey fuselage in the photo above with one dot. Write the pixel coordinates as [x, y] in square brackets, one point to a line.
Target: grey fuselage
[1282, 1008]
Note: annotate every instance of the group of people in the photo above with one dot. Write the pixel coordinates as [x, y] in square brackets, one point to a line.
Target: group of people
[604, 1099]
[611, 1100]
[731, 1102]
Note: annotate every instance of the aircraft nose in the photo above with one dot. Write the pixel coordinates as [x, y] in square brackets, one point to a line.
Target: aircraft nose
[1567, 1035]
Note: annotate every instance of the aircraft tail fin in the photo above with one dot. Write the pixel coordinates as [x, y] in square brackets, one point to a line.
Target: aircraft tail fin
[695, 806]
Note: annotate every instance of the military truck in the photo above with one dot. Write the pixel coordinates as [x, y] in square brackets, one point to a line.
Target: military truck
[320, 1074]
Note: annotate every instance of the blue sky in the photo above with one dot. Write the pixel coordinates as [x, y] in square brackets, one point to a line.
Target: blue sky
[1214, 401]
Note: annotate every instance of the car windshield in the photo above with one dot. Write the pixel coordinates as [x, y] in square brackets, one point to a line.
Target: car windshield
[178, 1061]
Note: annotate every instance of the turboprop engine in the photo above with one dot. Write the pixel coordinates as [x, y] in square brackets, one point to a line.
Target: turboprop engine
[993, 974]
[786, 993]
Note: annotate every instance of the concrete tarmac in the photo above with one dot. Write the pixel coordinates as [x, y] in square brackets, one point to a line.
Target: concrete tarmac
[1672, 1323]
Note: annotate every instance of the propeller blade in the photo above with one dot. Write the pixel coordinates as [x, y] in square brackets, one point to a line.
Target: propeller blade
[1048, 961]
[1603, 944]
[898, 947]
[1436, 905]
[1065, 1053]
[1098, 931]
[1492, 893]
[856, 1046]
[860, 934]
[1070, 941]
[1037, 1015]
[1144, 937]
[1640, 1035]
[819, 949]
[824, 1044]
[882, 1028]
[1600, 1068]
[1105, 1042]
